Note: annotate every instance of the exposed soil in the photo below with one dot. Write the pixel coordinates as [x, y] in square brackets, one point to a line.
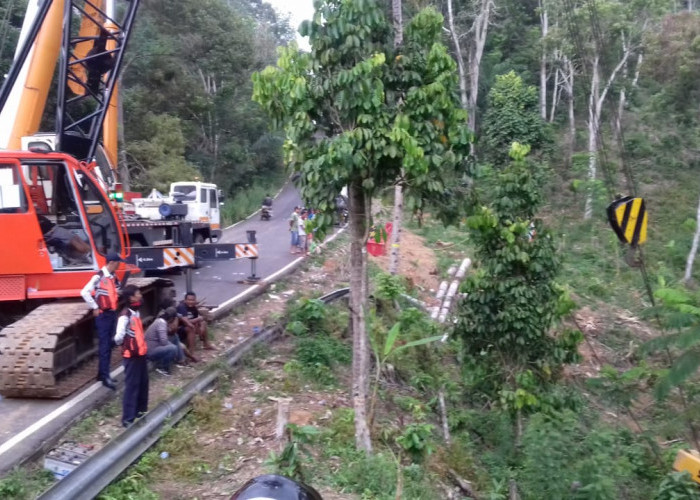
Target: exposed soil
[418, 264]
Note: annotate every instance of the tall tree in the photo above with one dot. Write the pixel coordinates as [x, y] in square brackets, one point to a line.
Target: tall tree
[615, 32]
[338, 109]
[480, 28]
[544, 23]
[480, 13]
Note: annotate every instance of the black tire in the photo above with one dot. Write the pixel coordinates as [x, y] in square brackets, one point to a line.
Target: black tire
[198, 239]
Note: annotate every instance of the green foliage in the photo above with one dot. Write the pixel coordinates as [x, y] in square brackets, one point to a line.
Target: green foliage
[22, 485]
[289, 462]
[388, 286]
[677, 486]
[306, 317]
[356, 113]
[512, 116]
[247, 201]
[316, 357]
[416, 440]
[583, 462]
[323, 350]
[318, 374]
[189, 65]
[375, 477]
[512, 299]
[342, 427]
[621, 388]
[677, 311]
[133, 483]
[162, 155]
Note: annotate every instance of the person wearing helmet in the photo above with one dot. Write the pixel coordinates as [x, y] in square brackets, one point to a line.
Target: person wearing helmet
[274, 487]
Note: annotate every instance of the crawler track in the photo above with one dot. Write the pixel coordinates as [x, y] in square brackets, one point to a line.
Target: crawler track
[50, 352]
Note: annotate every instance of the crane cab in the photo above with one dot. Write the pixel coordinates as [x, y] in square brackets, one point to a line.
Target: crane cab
[56, 222]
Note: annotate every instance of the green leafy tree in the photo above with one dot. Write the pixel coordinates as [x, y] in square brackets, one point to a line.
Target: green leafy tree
[512, 300]
[337, 106]
[162, 157]
[512, 115]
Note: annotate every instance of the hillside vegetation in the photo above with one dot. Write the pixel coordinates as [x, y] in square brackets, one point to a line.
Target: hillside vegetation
[571, 369]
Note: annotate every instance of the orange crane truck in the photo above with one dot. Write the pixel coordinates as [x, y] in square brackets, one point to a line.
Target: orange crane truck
[57, 218]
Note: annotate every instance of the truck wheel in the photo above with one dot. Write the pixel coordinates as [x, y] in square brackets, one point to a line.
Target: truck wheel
[198, 240]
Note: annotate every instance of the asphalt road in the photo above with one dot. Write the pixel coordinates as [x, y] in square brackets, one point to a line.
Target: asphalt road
[214, 283]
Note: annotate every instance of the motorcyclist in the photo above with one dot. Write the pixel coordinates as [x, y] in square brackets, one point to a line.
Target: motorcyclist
[267, 202]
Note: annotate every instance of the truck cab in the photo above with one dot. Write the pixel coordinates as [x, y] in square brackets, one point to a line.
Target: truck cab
[203, 202]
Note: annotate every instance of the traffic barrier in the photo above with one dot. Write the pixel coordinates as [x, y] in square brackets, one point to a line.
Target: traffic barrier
[182, 256]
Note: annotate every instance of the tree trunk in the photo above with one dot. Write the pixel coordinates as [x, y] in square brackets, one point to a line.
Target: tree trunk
[398, 188]
[595, 105]
[693, 249]
[359, 213]
[623, 97]
[556, 93]
[543, 61]
[460, 59]
[480, 28]
[396, 229]
[593, 123]
[398, 22]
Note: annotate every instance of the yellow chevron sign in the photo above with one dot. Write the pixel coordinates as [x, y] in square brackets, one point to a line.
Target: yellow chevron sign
[628, 218]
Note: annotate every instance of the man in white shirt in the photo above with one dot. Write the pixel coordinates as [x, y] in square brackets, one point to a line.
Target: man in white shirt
[101, 294]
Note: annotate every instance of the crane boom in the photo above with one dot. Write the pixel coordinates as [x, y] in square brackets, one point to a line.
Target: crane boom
[89, 64]
[22, 104]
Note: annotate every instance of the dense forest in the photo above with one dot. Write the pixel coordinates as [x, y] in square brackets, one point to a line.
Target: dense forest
[186, 85]
[515, 121]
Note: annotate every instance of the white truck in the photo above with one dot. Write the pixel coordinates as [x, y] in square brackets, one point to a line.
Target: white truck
[191, 213]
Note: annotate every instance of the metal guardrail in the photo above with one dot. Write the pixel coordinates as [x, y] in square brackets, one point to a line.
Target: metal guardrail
[97, 472]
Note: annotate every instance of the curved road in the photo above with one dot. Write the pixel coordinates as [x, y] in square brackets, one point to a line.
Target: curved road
[216, 282]
[26, 423]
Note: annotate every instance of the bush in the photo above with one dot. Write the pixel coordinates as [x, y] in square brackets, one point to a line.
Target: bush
[326, 351]
[307, 316]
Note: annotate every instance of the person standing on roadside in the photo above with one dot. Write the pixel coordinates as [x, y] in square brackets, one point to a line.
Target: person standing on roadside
[131, 337]
[294, 230]
[101, 294]
[303, 241]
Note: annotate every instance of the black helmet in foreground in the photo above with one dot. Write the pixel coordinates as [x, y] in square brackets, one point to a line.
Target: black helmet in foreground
[273, 487]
